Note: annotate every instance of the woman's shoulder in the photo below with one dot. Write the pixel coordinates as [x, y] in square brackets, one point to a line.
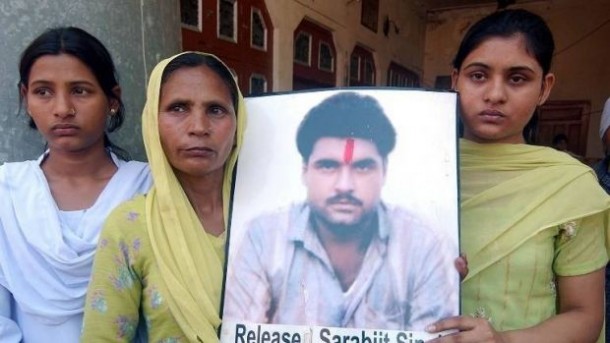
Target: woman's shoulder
[558, 156]
[134, 164]
[134, 168]
[136, 174]
[20, 177]
[17, 168]
[137, 203]
[515, 157]
[127, 219]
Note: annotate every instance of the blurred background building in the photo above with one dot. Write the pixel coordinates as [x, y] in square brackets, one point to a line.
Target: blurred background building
[284, 45]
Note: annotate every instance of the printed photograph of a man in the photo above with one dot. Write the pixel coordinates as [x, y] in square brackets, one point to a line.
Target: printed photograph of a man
[342, 256]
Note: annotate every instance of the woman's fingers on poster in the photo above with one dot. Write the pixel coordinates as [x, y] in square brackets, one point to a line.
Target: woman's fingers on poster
[461, 264]
[467, 330]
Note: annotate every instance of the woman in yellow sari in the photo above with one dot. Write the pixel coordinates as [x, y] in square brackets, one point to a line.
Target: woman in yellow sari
[533, 220]
[158, 271]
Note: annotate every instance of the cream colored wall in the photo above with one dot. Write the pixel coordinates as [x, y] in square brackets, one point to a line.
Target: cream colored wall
[342, 18]
[582, 65]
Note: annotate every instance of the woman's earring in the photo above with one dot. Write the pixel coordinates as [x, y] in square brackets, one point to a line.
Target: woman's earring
[112, 112]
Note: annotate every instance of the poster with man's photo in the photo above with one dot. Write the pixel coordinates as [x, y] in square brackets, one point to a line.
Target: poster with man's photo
[344, 225]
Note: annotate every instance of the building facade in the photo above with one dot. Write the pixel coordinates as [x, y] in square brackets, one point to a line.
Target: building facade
[284, 45]
[287, 45]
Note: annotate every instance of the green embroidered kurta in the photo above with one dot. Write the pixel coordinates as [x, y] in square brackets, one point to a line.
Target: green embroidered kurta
[125, 291]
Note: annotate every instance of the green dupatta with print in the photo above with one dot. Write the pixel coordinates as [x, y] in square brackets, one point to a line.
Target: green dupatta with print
[191, 269]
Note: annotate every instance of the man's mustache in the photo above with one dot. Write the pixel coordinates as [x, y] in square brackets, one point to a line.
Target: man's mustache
[343, 198]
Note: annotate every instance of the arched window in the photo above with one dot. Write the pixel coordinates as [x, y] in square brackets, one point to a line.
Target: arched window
[302, 48]
[314, 57]
[326, 58]
[258, 38]
[399, 76]
[361, 67]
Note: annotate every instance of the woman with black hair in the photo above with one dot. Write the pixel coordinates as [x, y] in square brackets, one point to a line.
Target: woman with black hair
[533, 219]
[52, 208]
[159, 268]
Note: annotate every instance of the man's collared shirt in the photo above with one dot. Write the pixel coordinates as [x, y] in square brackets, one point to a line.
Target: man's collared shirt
[282, 274]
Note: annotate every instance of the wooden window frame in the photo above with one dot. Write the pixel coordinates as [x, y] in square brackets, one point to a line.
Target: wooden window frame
[369, 15]
[365, 56]
[332, 57]
[371, 63]
[309, 40]
[255, 11]
[358, 73]
[410, 77]
[259, 76]
[199, 26]
[235, 26]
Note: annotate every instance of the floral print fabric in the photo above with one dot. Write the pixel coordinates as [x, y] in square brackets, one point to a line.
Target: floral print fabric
[125, 302]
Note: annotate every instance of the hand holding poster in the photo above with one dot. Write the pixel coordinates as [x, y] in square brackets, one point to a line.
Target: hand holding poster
[344, 222]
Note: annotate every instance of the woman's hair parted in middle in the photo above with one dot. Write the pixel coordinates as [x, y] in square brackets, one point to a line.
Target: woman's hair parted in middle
[191, 60]
[507, 23]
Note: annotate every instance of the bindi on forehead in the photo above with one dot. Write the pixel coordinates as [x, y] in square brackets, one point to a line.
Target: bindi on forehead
[348, 152]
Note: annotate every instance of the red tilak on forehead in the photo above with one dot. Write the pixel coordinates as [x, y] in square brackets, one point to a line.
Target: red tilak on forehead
[348, 153]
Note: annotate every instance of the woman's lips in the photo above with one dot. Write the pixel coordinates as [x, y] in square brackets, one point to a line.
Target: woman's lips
[199, 152]
[65, 129]
[492, 116]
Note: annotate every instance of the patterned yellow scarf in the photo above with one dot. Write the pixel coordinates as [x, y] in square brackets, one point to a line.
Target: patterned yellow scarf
[192, 271]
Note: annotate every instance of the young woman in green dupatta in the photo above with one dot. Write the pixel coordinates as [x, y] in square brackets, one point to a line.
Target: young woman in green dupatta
[533, 220]
[158, 271]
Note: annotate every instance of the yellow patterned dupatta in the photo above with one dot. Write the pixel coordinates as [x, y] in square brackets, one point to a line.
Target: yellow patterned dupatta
[512, 197]
[191, 269]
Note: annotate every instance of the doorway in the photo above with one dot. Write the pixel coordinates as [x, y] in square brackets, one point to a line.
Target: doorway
[568, 117]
